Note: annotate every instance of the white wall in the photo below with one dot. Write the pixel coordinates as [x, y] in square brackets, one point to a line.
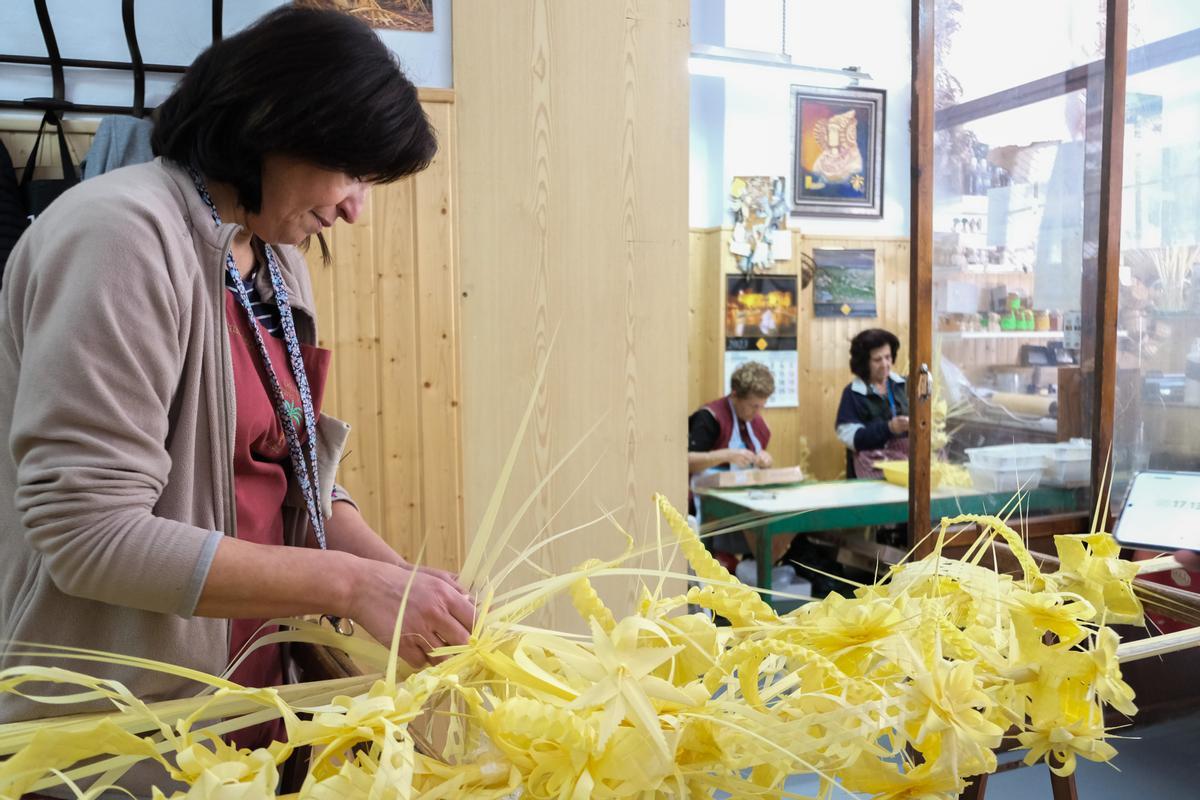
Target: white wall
[706, 127]
[870, 34]
[755, 133]
[169, 32]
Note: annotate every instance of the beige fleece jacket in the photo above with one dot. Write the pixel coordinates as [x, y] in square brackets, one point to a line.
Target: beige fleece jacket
[117, 416]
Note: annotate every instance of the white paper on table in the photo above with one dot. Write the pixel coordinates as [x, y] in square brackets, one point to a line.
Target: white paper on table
[781, 245]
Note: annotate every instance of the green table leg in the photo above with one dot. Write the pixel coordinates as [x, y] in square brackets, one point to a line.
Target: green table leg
[763, 556]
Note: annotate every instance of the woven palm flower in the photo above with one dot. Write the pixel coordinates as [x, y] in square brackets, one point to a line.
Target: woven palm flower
[903, 690]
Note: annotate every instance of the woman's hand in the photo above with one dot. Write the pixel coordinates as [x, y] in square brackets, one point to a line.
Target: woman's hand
[438, 613]
[763, 460]
[739, 457]
[440, 574]
[898, 425]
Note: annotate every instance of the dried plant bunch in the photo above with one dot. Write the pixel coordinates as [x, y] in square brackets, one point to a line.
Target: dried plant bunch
[903, 690]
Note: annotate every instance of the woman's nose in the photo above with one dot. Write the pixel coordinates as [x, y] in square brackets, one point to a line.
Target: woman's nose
[352, 206]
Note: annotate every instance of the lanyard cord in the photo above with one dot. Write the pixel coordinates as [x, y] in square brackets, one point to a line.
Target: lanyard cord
[289, 416]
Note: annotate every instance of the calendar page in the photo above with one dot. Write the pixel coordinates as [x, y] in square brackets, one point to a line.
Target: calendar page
[784, 369]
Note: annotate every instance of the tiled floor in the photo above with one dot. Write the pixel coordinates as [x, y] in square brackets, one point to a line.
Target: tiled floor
[1163, 763]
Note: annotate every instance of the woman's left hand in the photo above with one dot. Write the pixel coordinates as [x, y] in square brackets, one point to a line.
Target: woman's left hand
[763, 460]
[440, 574]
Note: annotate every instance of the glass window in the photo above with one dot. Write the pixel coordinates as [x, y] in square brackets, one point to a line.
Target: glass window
[1157, 419]
[989, 47]
[1013, 218]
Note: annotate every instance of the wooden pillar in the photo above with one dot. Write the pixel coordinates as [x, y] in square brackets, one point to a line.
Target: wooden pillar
[920, 337]
[572, 145]
[1109, 249]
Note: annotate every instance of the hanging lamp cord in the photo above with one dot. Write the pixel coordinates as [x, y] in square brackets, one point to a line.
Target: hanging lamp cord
[783, 29]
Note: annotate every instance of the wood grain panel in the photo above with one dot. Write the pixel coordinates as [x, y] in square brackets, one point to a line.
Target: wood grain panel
[356, 358]
[399, 377]
[437, 352]
[705, 316]
[573, 123]
[823, 345]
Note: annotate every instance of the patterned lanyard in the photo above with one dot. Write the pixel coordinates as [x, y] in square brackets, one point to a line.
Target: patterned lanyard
[308, 485]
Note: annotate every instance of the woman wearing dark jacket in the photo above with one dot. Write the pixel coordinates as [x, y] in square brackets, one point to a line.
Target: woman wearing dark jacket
[872, 418]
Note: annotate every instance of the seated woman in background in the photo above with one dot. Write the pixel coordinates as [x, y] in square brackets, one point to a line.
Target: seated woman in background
[730, 433]
[872, 418]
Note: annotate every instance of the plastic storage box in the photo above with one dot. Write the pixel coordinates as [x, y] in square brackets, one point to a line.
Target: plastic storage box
[1069, 464]
[1008, 467]
[991, 480]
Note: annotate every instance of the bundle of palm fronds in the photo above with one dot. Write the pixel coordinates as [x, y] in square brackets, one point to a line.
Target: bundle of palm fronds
[902, 691]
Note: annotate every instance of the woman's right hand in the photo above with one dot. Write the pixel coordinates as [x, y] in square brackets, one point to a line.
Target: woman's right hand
[741, 458]
[437, 613]
[898, 425]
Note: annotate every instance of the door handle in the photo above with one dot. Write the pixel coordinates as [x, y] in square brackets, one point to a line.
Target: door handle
[923, 384]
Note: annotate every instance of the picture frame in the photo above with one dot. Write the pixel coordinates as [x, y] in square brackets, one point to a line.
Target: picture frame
[837, 151]
[844, 283]
[399, 15]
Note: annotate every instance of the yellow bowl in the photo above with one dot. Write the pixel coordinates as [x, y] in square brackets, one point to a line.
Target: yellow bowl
[894, 471]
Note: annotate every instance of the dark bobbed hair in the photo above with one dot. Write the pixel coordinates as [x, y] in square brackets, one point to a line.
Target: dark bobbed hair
[315, 85]
[865, 342]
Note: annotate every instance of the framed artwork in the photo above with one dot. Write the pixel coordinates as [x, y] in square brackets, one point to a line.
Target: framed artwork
[844, 285]
[837, 152]
[401, 15]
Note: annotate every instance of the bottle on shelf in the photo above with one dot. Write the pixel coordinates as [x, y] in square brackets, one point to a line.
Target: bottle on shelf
[1011, 321]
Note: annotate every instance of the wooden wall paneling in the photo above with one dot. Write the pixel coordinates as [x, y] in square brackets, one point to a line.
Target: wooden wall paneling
[356, 360]
[437, 352]
[572, 121]
[395, 231]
